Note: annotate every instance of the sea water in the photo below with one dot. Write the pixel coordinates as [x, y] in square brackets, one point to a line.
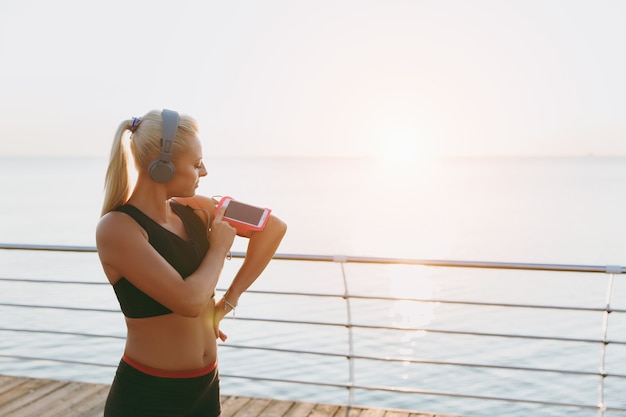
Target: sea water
[537, 210]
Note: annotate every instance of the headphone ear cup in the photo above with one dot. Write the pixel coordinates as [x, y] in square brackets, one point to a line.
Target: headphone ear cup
[161, 171]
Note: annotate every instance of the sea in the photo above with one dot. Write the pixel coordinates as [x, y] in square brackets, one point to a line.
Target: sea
[540, 210]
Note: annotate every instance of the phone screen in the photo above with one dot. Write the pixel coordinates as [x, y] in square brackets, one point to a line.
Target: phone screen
[244, 213]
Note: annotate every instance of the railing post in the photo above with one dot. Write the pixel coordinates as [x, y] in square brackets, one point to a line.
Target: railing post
[611, 270]
[346, 296]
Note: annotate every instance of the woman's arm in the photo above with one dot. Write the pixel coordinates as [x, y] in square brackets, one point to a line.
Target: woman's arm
[261, 248]
[124, 251]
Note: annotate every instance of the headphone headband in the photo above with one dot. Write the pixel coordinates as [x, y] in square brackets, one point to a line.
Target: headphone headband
[169, 121]
[162, 170]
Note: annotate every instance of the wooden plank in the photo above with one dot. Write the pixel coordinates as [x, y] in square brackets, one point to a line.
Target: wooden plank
[353, 412]
[324, 410]
[43, 388]
[396, 414]
[232, 405]
[79, 401]
[62, 400]
[300, 410]
[373, 412]
[48, 403]
[253, 408]
[278, 408]
[15, 388]
[92, 406]
[7, 383]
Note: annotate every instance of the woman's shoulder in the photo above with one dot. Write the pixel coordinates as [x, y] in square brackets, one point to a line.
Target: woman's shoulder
[199, 202]
[116, 224]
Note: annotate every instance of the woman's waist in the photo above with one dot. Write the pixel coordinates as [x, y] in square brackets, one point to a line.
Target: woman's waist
[168, 373]
[171, 358]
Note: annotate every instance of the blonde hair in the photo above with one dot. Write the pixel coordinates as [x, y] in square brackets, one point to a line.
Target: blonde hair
[145, 147]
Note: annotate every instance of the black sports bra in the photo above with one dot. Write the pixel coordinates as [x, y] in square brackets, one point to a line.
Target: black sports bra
[184, 255]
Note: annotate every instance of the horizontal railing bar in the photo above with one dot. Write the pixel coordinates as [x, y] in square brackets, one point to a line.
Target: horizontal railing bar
[613, 269]
[52, 281]
[427, 330]
[358, 297]
[346, 386]
[422, 362]
[60, 332]
[99, 310]
[289, 381]
[422, 392]
[436, 300]
[482, 334]
[357, 326]
[342, 355]
[47, 248]
[454, 264]
[483, 397]
[70, 361]
[484, 366]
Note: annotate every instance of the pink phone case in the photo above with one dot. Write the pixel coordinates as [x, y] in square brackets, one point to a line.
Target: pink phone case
[243, 229]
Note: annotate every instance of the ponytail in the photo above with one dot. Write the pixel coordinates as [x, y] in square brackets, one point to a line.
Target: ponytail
[117, 180]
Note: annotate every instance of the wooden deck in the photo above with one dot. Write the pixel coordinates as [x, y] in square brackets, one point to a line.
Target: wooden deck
[29, 397]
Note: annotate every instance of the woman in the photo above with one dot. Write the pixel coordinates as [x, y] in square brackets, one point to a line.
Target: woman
[163, 248]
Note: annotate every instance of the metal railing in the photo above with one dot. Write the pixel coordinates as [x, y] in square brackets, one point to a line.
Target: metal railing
[352, 384]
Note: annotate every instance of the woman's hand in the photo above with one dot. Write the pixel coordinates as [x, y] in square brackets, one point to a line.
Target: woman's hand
[221, 234]
[218, 315]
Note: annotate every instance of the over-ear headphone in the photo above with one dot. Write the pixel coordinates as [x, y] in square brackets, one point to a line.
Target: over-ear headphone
[162, 170]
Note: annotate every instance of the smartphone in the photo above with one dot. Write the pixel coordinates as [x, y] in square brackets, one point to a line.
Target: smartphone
[244, 217]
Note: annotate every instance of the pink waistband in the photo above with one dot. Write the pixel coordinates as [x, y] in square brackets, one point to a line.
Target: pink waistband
[169, 374]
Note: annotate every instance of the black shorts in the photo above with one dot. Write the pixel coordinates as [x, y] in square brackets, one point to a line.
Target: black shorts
[138, 394]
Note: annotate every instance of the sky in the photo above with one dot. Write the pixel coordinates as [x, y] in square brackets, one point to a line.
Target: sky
[329, 78]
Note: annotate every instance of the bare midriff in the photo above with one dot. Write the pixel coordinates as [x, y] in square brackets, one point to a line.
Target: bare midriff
[173, 342]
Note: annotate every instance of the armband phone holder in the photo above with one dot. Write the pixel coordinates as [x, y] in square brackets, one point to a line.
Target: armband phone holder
[244, 217]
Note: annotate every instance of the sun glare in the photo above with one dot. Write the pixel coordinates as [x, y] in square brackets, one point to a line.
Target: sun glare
[403, 283]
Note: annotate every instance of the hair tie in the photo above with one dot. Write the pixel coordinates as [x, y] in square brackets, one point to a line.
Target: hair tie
[135, 124]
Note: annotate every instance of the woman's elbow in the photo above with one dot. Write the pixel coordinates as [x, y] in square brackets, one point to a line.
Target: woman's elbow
[278, 227]
[190, 306]
[187, 310]
[190, 310]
